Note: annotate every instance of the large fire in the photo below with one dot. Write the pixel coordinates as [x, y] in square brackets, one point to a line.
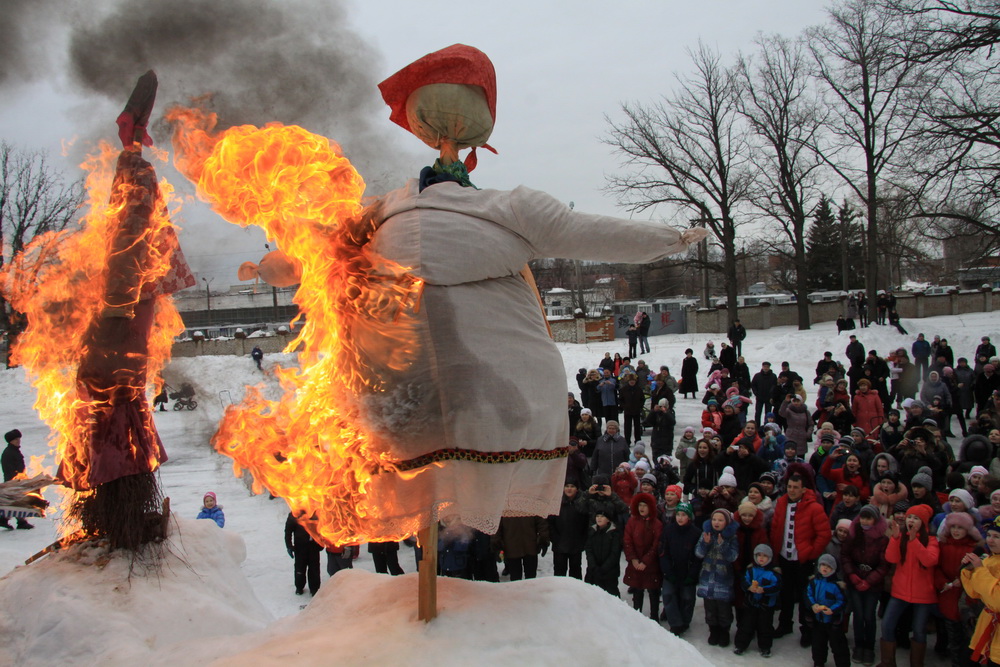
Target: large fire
[63, 284]
[309, 447]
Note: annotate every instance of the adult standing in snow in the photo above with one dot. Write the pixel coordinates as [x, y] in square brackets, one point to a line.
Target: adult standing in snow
[644, 324]
[863, 309]
[985, 384]
[305, 552]
[211, 509]
[689, 374]
[763, 385]
[607, 387]
[984, 352]
[727, 357]
[257, 355]
[12, 462]
[610, 452]
[737, 333]
[855, 351]
[521, 539]
[921, 350]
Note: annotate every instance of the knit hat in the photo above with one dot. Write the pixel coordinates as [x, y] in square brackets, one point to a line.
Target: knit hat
[728, 477]
[587, 411]
[917, 403]
[675, 489]
[964, 496]
[979, 470]
[800, 397]
[685, 508]
[774, 428]
[869, 511]
[732, 391]
[11, 435]
[725, 513]
[664, 460]
[663, 402]
[610, 423]
[210, 494]
[626, 465]
[712, 401]
[639, 448]
[922, 512]
[827, 426]
[923, 480]
[828, 560]
[708, 431]
[642, 465]
[900, 506]
[746, 506]
[689, 429]
[963, 519]
[769, 477]
[907, 402]
[929, 422]
[844, 523]
[763, 549]
[601, 480]
[827, 437]
[648, 477]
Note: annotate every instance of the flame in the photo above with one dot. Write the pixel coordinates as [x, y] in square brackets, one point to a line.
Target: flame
[59, 283]
[309, 447]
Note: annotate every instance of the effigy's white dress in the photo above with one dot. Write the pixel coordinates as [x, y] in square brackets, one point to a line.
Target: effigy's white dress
[486, 378]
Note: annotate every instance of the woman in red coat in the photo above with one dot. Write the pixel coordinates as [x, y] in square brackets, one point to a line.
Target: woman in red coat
[915, 556]
[867, 408]
[642, 542]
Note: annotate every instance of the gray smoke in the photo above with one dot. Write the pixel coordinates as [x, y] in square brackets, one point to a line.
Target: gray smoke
[294, 62]
[24, 52]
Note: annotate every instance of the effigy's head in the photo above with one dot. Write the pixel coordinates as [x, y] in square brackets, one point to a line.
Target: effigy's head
[447, 99]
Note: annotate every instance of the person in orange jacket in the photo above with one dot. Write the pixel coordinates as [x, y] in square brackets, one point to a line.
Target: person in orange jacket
[915, 556]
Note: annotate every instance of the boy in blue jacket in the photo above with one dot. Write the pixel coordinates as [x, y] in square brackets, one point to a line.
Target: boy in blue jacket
[828, 602]
[718, 548]
[761, 582]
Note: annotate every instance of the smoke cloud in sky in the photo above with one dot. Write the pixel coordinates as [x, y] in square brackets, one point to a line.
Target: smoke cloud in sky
[295, 62]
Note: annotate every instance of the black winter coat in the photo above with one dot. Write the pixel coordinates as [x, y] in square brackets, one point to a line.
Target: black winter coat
[631, 398]
[678, 563]
[689, 375]
[12, 461]
[568, 529]
[604, 554]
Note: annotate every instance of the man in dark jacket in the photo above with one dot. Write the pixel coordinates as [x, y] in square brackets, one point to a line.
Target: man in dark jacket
[661, 420]
[921, 350]
[610, 451]
[522, 538]
[982, 388]
[762, 385]
[727, 357]
[631, 399]
[736, 336]
[855, 351]
[568, 531]
[984, 352]
[12, 462]
[305, 552]
[573, 410]
[644, 323]
[826, 366]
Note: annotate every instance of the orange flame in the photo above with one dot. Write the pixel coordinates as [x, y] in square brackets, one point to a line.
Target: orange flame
[309, 447]
[59, 282]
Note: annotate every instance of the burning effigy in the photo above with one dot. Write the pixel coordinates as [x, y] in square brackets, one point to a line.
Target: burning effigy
[100, 327]
[427, 383]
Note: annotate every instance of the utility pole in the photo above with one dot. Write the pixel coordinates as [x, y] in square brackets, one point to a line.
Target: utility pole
[208, 299]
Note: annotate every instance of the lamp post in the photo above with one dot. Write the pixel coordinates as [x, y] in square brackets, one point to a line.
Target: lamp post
[208, 298]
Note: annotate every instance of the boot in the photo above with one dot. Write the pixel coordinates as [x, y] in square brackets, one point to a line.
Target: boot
[723, 636]
[941, 640]
[713, 635]
[917, 652]
[654, 605]
[888, 654]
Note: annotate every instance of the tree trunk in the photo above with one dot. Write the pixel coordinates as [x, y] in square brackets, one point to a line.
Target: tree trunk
[802, 281]
[871, 254]
[729, 269]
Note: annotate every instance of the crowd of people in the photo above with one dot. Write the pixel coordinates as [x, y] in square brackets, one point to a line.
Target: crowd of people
[846, 514]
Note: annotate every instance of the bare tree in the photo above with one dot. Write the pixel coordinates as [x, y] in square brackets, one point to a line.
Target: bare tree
[785, 120]
[864, 58]
[690, 150]
[34, 198]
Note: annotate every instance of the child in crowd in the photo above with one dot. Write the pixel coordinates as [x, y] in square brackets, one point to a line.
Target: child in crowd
[772, 445]
[769, 484]
[680, 568]
[212, 510]
[718, 549]
[642, 543]
[666, 473]
[667, 507]
[454, 545]
[862, 558]
[990, 512]
[604, 553]
[841, 532]
[781, 465]
[828, 604]
[888, 492]
[761, 583]
[568, 532]
[848, 508]
[960, 537]
[959, 500]
[973, 484]
[624, 482]
[686, 442]
[638, 453]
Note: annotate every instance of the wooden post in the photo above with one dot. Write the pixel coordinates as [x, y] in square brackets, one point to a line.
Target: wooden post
[427, 594]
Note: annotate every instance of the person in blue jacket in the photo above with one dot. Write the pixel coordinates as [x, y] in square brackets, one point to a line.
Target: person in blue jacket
[761, 582]
[829, 604]
[211, 509]
[718, 548]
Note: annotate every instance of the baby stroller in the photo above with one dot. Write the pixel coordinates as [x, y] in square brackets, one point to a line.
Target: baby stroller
[184, 398]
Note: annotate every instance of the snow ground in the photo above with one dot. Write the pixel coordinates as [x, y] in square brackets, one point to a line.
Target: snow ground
[201, 603]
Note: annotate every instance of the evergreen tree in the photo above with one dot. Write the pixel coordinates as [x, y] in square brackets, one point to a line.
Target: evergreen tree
[854, 245]
[823, 248]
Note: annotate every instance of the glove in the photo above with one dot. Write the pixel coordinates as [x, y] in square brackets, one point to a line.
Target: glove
[291, 554]
[545, 549]
[855, 580]
[863, 586]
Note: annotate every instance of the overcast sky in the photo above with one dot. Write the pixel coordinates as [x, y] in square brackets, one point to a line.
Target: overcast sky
[562, 66]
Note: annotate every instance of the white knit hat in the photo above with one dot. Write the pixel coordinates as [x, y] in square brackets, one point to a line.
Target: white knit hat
[728, 477]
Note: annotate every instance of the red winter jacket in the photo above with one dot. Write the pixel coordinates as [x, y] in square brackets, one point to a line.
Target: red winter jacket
[913, 580]
[642, 543]
[812, 527]
[865, 561]
[838, 477]
[624, 484]
[868, 413]
[948, 568]
[749, 537]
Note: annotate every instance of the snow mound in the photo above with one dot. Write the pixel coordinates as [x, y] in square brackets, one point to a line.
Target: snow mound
[81, 606]
[553, 620]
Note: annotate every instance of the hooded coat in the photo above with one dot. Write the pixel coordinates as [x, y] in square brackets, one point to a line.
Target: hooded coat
[913, 580]
[716, 579]
[642, 543]
[799, 425]
[868, 412]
